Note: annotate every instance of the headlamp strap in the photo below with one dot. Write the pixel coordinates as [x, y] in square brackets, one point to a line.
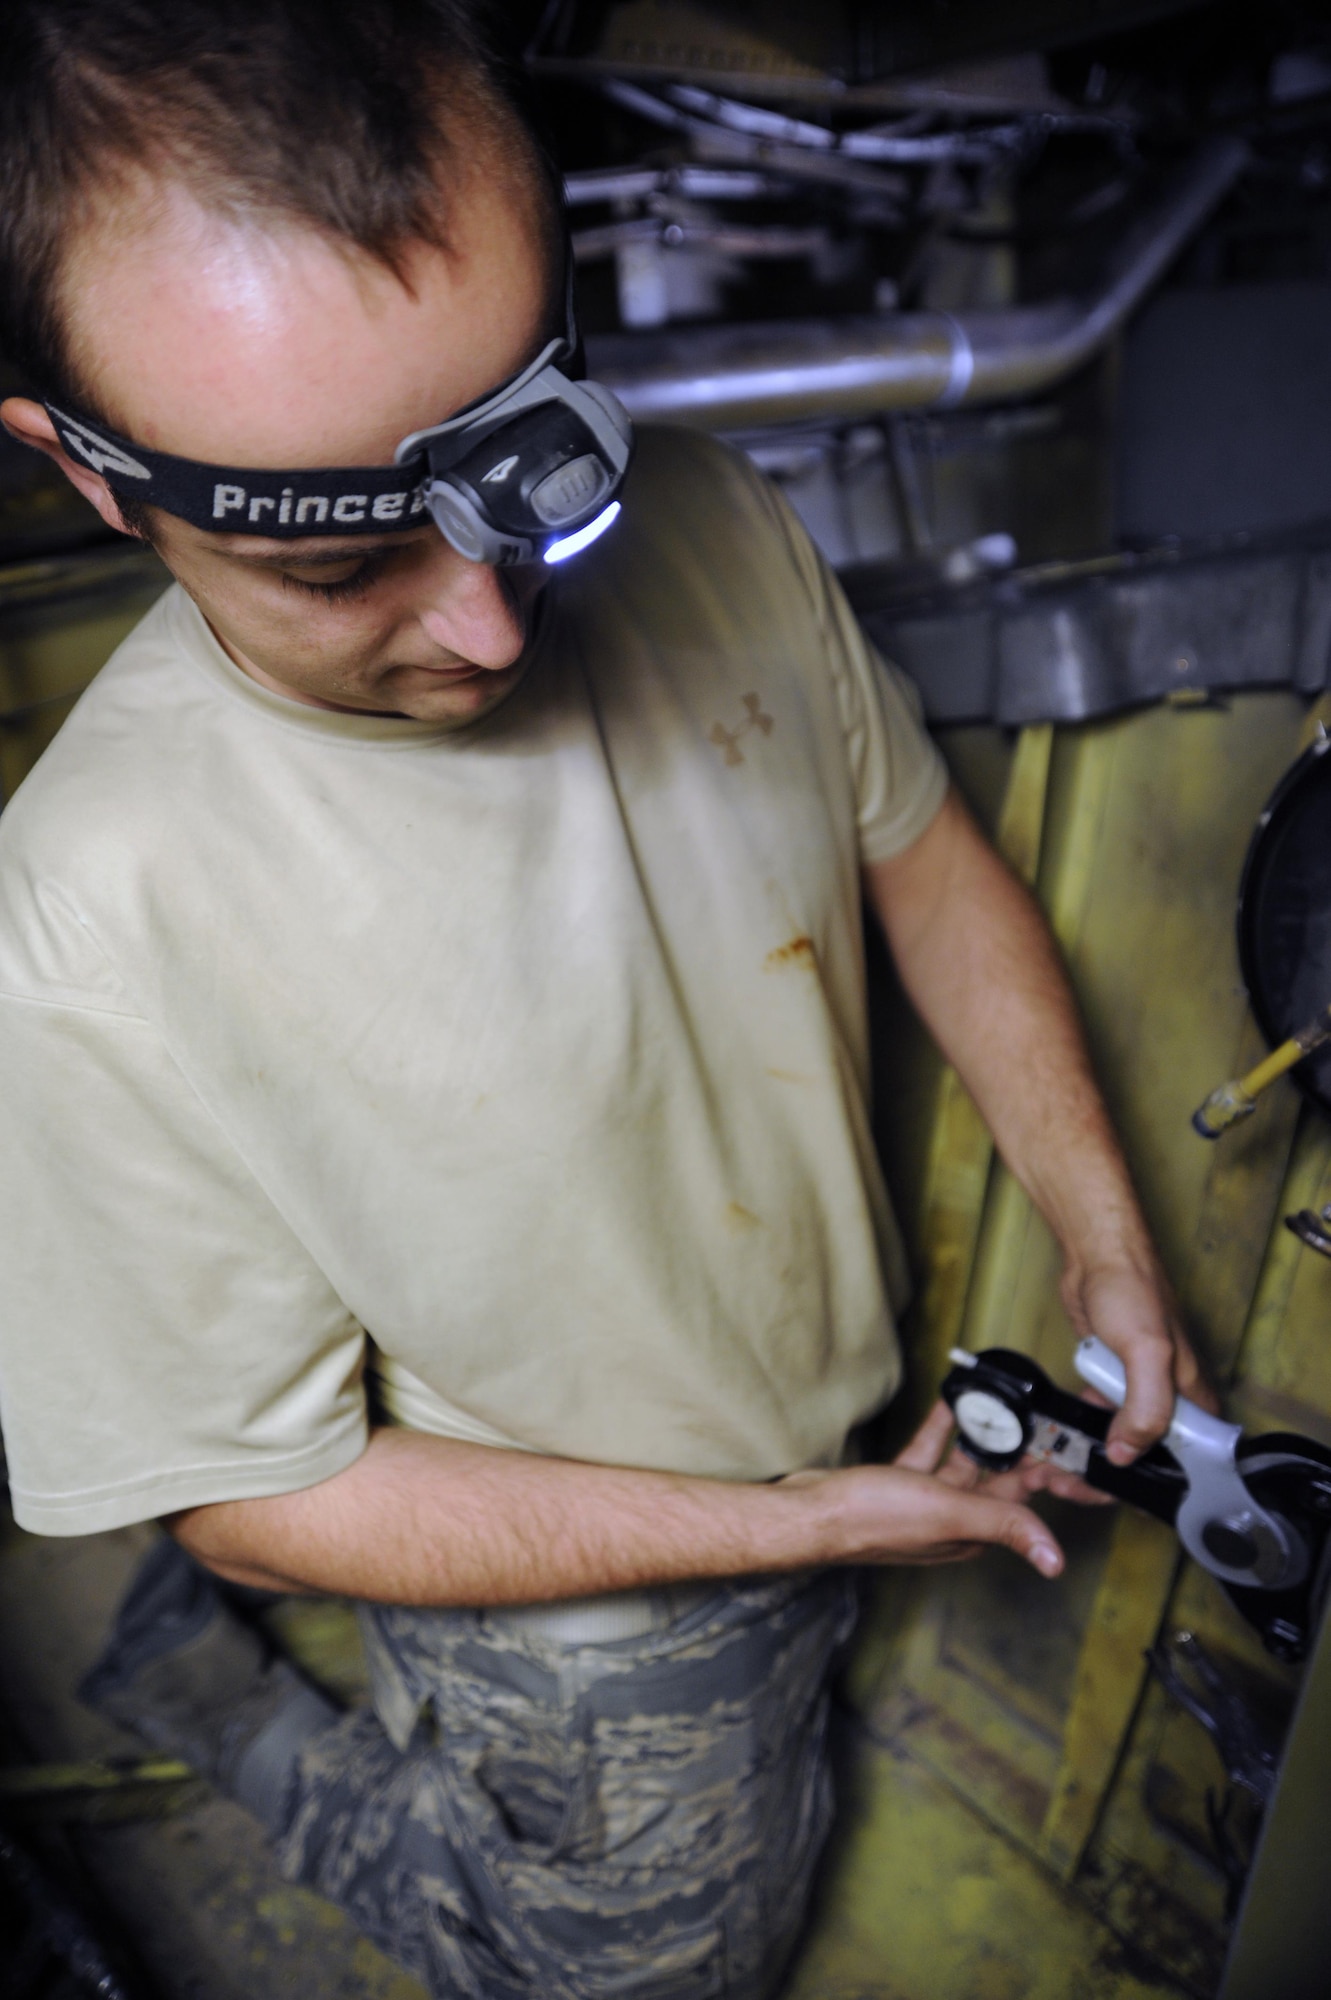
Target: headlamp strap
[346, 500]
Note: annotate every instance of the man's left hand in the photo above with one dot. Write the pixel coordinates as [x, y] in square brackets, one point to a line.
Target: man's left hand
[977, 958]
[1129, 1304]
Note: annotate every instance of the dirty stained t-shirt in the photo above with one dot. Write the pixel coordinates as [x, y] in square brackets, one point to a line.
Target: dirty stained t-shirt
[530, 1058]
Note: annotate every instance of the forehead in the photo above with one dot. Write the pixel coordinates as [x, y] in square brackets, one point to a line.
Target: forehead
[253, 341]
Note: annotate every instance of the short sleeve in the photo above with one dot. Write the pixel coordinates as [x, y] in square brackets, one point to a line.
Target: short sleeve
[899, 777]
[165, 1339]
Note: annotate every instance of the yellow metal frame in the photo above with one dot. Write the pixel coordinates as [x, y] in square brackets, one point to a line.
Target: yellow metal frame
[1015, 1767]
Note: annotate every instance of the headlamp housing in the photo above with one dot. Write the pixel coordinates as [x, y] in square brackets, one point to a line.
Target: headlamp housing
[532, 465]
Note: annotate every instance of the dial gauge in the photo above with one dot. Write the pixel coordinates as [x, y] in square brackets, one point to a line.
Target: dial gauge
[988, 1422]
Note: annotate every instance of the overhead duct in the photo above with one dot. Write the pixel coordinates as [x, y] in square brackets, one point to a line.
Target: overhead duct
[740, 377]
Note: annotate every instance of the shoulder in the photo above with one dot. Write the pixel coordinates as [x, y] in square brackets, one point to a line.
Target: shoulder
[95, 799]
[705, 544]
[688, 483]
[98, 760]
[671, 453]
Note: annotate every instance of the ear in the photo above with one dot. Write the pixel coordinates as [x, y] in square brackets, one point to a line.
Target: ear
[28, 422]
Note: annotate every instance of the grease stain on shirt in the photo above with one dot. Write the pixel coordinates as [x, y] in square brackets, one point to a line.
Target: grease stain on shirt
[799, 950]
[740, 1220]
[727, 740]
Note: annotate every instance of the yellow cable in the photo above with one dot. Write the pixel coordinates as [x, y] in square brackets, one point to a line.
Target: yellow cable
[1275, 1065]
[1237, 1099]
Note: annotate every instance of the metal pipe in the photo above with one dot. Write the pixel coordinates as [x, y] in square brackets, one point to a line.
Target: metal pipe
[742, 377]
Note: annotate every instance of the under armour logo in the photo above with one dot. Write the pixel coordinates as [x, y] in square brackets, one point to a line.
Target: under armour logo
[499, 473]
[101, 454]
[727, 740]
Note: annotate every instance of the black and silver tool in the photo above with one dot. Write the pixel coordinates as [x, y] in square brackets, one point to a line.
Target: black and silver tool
[1255, 1512]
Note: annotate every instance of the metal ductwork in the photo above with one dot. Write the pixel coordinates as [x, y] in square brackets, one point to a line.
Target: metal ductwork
[742, 377]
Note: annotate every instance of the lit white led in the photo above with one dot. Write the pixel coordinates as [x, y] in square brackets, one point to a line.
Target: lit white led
[568, 545]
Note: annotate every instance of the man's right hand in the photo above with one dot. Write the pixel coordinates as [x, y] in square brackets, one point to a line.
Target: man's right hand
[433, 1521]
[934, 1505]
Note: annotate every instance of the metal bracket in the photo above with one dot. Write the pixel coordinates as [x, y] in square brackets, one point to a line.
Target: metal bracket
[1219, 1523]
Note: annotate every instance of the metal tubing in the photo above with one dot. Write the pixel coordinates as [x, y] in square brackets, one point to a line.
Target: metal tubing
[741, 377]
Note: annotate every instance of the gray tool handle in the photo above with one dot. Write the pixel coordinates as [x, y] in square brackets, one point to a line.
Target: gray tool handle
[1219, 1523]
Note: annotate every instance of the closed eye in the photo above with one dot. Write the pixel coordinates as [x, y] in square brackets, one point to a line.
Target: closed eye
[343, 589]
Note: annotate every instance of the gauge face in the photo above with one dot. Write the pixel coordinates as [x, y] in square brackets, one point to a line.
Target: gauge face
[988, 1422]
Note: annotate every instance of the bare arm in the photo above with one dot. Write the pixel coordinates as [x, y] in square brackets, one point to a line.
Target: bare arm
[978, 960]
[430, 1521]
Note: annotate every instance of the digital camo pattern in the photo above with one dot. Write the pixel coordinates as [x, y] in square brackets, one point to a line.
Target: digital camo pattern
[518, 1818]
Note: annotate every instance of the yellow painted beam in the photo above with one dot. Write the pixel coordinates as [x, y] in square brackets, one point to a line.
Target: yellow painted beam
[49, 1781]
[1111, 1672]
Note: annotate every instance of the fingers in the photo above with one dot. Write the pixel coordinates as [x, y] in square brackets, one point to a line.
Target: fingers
[1041, 1476]
[1031, 1476]
[929, 1445]
[960, 1470]
[932, 1450]
[1149, 1403]
[1046, 1478]
[899, 1514]
[1007, 1524]
[1157, 1373]
[1129, 1307]
[1189, 1379]
[1160, 1366]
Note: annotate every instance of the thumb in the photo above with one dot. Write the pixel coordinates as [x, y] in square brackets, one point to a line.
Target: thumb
[930, 1442]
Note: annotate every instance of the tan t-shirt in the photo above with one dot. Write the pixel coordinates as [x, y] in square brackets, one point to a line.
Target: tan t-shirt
[534, 1050]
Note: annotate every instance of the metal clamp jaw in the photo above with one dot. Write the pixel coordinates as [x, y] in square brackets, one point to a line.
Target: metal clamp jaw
[1218, 1521]
[1255, 1512]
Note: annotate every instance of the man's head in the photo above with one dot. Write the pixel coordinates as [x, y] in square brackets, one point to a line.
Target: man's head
[282, 233]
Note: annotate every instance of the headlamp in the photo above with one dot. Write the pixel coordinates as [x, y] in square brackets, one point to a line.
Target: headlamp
[528, 473]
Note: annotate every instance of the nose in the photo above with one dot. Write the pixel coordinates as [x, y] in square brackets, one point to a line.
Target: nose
[471, 612]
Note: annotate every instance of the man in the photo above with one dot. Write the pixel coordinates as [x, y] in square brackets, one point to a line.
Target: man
[409, 955]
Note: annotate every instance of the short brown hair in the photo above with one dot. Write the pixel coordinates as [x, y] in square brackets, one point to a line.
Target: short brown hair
[340, 114]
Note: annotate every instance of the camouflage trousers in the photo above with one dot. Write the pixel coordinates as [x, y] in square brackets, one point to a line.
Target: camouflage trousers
[534, 1812]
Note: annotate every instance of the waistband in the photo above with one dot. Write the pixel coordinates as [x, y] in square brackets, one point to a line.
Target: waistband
[599, 1621]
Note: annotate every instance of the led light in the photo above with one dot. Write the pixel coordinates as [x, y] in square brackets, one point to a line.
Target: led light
[568, 545]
